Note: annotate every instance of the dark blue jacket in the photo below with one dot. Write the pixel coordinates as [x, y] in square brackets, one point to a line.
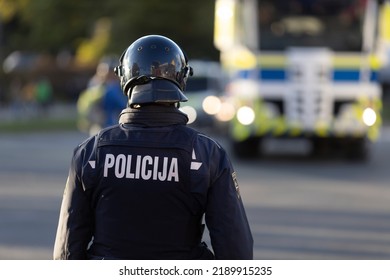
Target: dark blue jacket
[113, 102]
[140, 190]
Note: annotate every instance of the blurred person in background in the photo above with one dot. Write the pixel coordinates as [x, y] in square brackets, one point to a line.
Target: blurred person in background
[43, 94]
[114, 101]
[140, 189]
[100, 104]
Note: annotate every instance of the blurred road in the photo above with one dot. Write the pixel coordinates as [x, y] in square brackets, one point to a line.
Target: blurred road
[299, 208]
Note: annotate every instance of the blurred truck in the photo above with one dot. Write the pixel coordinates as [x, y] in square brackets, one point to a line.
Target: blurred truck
[302, 69]
[384, 51]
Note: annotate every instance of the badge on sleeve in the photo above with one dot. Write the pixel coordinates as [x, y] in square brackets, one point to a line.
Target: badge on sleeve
[234, 177]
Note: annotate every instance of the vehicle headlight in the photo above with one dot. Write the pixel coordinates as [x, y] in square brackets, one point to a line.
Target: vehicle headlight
[190, 112]
[369, 116]
[226, 113]
[245, 115]
[211, 105]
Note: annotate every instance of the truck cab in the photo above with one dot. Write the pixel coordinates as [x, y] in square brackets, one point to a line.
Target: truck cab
[301, 69]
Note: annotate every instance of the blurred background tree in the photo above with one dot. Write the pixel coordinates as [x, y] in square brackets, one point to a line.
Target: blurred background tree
[86, 26]
[64, 40]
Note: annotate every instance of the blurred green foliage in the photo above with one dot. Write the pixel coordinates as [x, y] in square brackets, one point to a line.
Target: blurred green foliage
[52, 26]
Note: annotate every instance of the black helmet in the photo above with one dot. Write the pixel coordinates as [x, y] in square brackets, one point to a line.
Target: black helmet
[153, 69]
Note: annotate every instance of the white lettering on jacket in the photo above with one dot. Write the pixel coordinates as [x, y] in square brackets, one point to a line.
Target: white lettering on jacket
[142, 167]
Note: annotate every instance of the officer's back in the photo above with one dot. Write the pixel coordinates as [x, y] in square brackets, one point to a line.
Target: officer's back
[140, 189]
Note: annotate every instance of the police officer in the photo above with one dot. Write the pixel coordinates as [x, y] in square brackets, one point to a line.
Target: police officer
[140, 189]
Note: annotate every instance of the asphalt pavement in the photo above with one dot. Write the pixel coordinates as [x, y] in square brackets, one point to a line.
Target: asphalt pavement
[298, 208]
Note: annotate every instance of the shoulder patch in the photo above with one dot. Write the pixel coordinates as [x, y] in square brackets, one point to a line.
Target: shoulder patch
[234, 177]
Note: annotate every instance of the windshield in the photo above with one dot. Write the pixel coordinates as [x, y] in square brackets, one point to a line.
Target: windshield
[336, 24]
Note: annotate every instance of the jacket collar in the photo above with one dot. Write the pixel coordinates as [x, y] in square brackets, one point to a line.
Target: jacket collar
[153, 115]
